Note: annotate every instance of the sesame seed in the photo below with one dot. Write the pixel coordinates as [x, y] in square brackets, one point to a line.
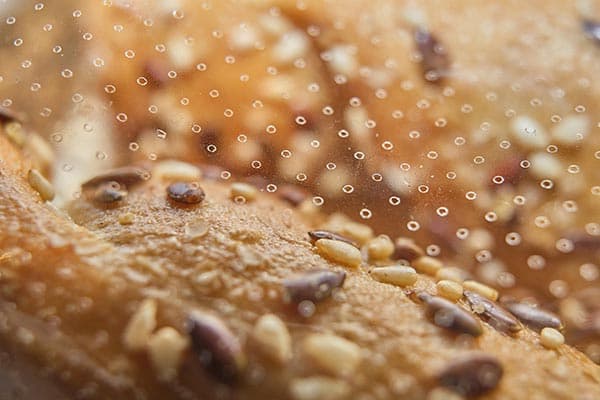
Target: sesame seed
[166, 350]
[380, 248]
[398, 275]
[14, 131]
[481, 289]
[243, 190]
[185, 192]
[551, 338]
[273, 338]
[449, 289]
[339, 252]
[140, 326]
[427, 265]
[40, 185]
[172, 170]
[333, 354]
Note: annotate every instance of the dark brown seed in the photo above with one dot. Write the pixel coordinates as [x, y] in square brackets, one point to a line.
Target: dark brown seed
[434, 59]
[472, 375]
[109, 193]
[313, 286]
[406, 249]
[592, 30]
[323, 234]
[184, 192]
[534, 317]
[493, 313]
[217, 348]
[8, 115]
[292, 194]
[449, 315]
[126, 176]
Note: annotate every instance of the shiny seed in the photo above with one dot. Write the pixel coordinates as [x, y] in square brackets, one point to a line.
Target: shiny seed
[446, 314]
[313, 286]
[333, 354]
[380, 248]
[473, 375]
[551, 338]
[592, 30]
[273, 338]
[534, 317]
[406, 249]
[340, 252]
[140, 326]
[218, 350]
[173, 170]
[185, 192]
[427, 265]
[481, 289]
[40, 185]
[398, 275]
[493, 313]
[108, 193]
[244, 190]
[166, 350]
[449, 289]
[324, 234]
[126, 176]
[319, 388]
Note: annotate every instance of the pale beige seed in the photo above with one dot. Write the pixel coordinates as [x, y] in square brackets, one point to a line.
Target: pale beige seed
[380, 248]
[340, 252]
[481, 289]
[42, 153]
[176, 171]
[450, 274]
[441, 393]
[449, 289]
[341, 224]
[333, 354]
[40, 185]
[273, 338]
[319, 388]
[14, 132]
[399, 275]
[166, 349]
[551, 338]
[140, 326]
[243, 190]
[126, 218]
[427, 265]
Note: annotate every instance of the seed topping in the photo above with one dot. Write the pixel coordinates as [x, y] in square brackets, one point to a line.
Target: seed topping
[406, 249]
[534, 317]
[126, 176]
[273, 338]
[334, 354]
[449, 315]
[108, 193]
[434, 58]
[473, 375]
[185, 192]
[551, 338]
[40, 185]
[399, 275]
[493, 313]
[313, 286]
[324, 234]
[340, 252]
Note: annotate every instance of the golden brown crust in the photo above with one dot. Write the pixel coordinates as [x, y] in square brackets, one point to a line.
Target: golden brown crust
[69, 293]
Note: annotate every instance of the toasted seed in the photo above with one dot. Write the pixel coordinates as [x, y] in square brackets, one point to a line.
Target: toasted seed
[324, 234]
[173, 170]
[273, 338]
[243, 190]
[492, 312]
[313, 286]
[534, 317]
[218, 350]
[449, 289]
[380, 248]
[451, 274]
[481, 289]
[127, 176]
[427, 265]
[399, 275]
[551, 338]
[319, 388]
[185, 192]
[434, 59]
[472, 375]
[334, 354]
[140, 326]
[406, 249]
[166, 348]
[108, 193]
[446, 314]
[340, 252]
[40, 185]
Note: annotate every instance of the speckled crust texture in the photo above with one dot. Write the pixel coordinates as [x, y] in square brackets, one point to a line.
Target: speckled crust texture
[68, 291]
